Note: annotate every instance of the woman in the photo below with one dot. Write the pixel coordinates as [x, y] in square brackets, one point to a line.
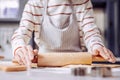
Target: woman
[59, 26]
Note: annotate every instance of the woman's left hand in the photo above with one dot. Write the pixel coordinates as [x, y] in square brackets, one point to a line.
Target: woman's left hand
[105, 53]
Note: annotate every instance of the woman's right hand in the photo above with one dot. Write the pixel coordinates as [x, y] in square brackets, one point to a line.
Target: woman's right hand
[24, 55]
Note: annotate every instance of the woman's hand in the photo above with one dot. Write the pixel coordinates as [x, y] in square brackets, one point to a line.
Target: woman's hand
[105, 53]
[24, 55]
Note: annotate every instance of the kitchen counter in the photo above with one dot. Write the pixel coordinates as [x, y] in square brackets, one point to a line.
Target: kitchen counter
[53, 74]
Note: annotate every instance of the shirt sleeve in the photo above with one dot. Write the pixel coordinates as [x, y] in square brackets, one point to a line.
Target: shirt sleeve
[23, 34]
[92, 36]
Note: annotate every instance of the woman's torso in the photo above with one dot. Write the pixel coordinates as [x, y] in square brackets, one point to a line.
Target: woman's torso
[59, 31]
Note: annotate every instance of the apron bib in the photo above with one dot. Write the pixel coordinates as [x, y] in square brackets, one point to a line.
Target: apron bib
[54, 39]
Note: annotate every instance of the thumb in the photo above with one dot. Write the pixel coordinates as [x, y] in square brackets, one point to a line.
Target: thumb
[35, 51]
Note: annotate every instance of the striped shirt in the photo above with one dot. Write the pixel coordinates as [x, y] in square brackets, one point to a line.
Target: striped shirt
[59, 11]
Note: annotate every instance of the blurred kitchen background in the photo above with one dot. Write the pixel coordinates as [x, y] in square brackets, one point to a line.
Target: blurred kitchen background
[107, 14]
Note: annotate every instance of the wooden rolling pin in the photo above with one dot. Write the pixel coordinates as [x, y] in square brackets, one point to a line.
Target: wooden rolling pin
[63, 59]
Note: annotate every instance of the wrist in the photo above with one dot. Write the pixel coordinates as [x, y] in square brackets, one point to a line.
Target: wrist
[96, 46]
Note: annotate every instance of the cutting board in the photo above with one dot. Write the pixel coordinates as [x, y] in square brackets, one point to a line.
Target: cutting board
[94, 65]
[13, 66]
[8, 66]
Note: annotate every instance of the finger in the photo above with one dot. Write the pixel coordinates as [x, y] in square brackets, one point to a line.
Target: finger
[107, 53]
[113, 59]
[28, 61]
[35, 60]
[30, 52]
[17, 57]
[35, 52]
[21, 54]
[103, 54]
[110, 55]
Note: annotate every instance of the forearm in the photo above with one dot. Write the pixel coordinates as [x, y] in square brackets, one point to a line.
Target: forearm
[23, 34]
[92, 36]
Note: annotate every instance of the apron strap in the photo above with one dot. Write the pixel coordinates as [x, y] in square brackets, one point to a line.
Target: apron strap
[73, 10]
[45, 6]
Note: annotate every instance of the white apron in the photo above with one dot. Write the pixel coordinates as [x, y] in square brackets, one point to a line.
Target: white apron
[54, 39]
